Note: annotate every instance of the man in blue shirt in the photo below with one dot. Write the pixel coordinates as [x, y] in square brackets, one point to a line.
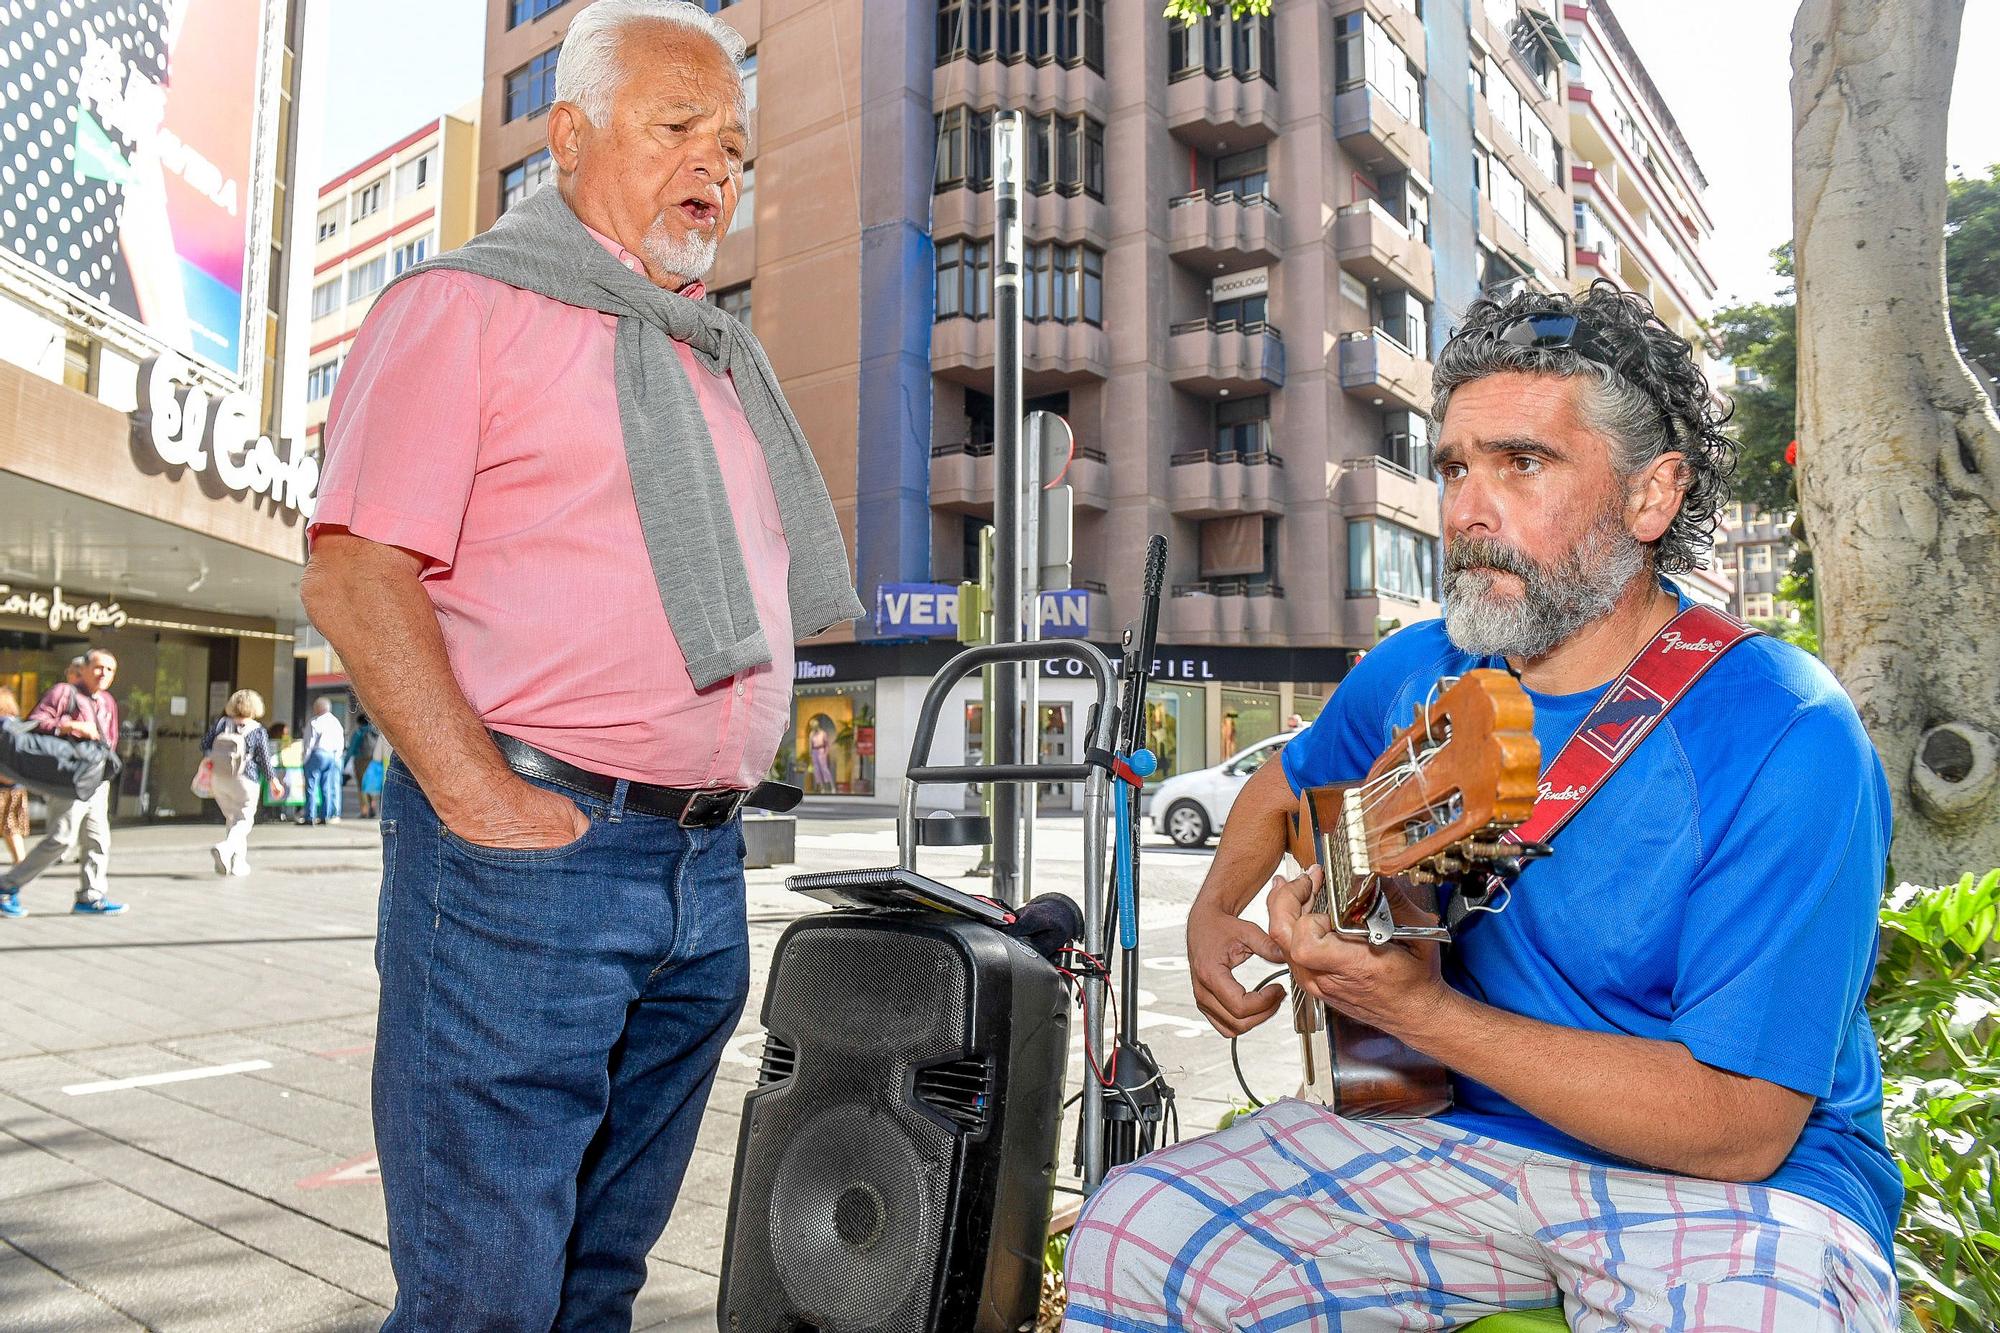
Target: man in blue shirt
[1667, 1096]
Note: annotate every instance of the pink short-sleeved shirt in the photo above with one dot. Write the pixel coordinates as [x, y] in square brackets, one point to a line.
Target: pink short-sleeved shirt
[476, 425]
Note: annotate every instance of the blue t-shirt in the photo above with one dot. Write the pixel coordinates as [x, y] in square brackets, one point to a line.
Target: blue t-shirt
[1721, 890]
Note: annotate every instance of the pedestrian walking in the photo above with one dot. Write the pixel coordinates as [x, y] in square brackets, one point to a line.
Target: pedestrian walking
[377, 770]
[13, 799]
[324, 749]
[239, 752]
[552, 408]
[360, 751]
[84, 710]
[288, 752]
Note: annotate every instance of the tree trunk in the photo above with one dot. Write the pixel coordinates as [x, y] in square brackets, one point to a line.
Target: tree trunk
[1899, 450]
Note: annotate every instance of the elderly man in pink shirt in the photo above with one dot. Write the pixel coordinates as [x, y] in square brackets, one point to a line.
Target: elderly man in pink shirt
[567, 536]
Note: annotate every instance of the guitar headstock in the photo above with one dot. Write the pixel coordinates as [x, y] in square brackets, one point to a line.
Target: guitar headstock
[1462, 773]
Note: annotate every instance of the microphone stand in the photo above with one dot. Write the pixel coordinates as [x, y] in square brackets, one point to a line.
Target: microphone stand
[1139, 1097]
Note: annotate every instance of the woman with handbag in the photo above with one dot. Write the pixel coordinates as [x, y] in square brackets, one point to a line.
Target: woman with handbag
[239, 770]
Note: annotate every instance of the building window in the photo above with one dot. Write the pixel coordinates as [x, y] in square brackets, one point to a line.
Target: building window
[965, 148]
[414, 176]
[329, 222]
[411, 255]
[370, 197]
[524, 178]
[365, 280]
[1759, 606]
[747, 71]
[964, 279]
[531, 89]
[321, 378]
[716, 6]
[1389, 560]
[1244, 312]
[1062, 284]
[1243, 427]
[1760, 560]
[1062, 153]
[746, 196]
[1070, 32]
[1546, 242]
[326, 298]
[735, 302]
[523, 11]
[1221, 46]
[1244, 175]
[1406, 443]
[1365, 54]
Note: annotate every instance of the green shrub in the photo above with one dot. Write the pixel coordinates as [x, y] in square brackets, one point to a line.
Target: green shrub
[1936, 1006]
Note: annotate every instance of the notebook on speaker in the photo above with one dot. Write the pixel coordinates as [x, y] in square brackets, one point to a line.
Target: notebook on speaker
[895, 889]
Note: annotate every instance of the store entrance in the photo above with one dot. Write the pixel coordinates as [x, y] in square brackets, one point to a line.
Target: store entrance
[168, 687]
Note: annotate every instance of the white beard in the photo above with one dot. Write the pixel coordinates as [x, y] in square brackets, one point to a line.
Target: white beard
[1555, 601]
[690, 256]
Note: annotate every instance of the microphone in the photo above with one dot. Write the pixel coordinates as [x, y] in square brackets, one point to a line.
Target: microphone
[1047, 923]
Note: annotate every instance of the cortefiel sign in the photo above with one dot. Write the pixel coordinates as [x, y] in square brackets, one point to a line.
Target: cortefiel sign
[186, 427]
[930, 611]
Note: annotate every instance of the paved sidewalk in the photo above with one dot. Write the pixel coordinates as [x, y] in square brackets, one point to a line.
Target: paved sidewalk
[242, 1196]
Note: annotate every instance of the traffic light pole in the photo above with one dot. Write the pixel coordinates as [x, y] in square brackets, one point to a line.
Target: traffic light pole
[1009, 482]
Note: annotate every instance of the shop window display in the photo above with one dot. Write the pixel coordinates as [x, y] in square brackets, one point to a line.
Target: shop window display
[832, 745]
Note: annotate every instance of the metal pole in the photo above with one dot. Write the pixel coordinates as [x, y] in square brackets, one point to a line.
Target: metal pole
[1031, 620]
[1008, 479]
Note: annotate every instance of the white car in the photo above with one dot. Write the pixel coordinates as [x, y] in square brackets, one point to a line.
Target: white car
[1190, 807]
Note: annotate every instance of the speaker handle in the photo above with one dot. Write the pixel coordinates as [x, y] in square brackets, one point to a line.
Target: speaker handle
[1092, 657]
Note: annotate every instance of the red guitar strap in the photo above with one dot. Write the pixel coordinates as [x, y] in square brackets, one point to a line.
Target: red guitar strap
[1658, 678]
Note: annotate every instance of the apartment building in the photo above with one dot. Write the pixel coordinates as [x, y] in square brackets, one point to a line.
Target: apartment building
[1244, 243]
[379, 217]
[1754, 551]
[1640, 219]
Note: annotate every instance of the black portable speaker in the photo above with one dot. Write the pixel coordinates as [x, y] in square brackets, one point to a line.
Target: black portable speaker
[896, 1159]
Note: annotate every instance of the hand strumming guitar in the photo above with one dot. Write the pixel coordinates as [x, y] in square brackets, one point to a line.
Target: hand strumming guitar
[1396, 987]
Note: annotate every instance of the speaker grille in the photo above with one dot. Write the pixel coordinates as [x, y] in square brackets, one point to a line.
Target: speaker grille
[857, 1174]
[854, 1223]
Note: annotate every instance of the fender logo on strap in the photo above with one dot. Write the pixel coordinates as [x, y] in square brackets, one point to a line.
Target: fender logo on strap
[1658, 678]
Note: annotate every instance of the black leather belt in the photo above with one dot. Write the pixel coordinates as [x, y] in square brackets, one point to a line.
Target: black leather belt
[694, 807]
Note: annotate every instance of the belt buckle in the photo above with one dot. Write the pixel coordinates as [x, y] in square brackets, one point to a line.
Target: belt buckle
[697, 812]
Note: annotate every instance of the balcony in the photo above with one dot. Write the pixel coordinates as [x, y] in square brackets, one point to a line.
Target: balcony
[962, 474]
[1050, 215]
[1370, 127]
[1205, 484]
[1220, 113]
[1396, 17]
[1224, 611]
[1047, 87]
[1053, 356]
[1215, 358]
[1374, 246]
[1378, 369]
[1377, 486]
[1215, 233]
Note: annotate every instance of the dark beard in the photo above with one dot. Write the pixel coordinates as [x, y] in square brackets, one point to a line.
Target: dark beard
[1556, 600]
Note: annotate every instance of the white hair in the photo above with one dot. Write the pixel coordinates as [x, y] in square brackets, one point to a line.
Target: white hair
[587, 70]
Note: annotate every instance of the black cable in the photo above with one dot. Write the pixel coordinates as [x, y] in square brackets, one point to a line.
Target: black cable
[1236, 1060]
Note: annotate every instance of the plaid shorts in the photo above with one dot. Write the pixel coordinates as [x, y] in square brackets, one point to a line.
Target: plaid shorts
[1296, 1219]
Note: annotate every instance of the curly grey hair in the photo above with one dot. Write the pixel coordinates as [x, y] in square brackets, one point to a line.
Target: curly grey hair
[1655, 401]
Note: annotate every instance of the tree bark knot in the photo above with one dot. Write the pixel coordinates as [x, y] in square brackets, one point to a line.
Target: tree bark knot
[1954, 770]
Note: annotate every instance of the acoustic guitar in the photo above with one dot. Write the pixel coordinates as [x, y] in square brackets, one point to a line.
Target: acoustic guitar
[1431, 818]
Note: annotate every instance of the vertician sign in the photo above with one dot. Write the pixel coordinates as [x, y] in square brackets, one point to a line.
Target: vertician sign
[186, 427]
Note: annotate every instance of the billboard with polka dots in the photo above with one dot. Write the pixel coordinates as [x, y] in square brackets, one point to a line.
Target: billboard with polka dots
[126, 158]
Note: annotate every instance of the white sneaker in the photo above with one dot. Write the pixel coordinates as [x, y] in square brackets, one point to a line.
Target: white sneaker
[221, 860]
[242, 867]
[333, 819]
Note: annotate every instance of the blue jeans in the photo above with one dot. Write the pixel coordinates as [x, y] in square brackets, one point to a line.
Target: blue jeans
[550, 1025]
[322, 772]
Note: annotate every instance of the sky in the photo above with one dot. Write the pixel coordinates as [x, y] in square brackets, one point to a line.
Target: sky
[1722, 65]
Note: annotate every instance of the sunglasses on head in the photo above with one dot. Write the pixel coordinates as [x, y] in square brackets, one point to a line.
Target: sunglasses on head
[1570, 332]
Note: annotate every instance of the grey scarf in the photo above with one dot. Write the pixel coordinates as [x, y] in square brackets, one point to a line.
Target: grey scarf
[540, 246]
